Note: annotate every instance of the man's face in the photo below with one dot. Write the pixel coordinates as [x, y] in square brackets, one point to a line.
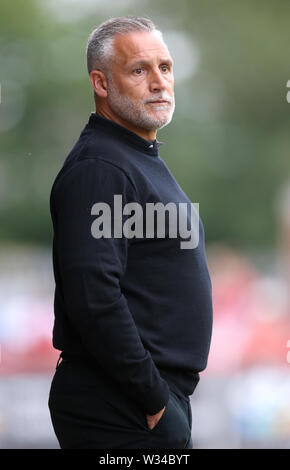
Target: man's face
[141, 83]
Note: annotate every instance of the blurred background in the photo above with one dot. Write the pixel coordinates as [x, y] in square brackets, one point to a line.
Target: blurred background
[228, 147]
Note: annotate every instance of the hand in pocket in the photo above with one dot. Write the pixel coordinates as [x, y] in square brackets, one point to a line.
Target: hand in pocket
[152, 420]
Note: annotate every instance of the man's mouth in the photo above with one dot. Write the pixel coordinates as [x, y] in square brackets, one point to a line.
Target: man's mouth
[159, 102]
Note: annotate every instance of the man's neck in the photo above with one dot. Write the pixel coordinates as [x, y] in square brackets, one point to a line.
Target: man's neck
[144, 133]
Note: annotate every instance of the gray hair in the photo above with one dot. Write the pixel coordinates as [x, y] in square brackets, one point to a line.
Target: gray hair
[100, 43]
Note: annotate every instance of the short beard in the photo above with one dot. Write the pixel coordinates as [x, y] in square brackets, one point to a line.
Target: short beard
[134, 111]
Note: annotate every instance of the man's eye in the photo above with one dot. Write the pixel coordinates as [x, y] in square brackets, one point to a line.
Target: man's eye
[138, 71]
[165, 68]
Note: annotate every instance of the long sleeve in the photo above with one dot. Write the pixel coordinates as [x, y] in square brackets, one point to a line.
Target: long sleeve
[91, 269]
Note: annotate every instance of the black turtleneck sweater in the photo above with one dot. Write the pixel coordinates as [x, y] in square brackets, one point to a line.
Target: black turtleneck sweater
[140, 307]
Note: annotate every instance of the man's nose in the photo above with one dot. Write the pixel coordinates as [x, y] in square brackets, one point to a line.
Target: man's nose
[157, 81]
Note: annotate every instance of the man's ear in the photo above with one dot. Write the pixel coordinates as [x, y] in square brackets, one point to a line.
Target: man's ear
[99, 83]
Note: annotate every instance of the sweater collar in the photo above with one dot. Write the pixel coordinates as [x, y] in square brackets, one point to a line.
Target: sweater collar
[149, 146]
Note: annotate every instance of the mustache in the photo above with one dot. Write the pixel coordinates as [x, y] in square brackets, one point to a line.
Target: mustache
[164, 97]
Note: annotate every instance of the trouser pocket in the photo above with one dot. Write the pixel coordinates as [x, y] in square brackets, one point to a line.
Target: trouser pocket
[174, 424]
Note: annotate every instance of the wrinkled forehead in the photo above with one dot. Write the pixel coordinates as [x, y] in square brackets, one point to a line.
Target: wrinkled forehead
[139, 46]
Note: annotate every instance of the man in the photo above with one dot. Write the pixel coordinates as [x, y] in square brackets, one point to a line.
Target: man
[133, 314]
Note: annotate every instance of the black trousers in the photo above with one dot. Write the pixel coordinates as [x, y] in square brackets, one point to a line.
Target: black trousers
[89, 411]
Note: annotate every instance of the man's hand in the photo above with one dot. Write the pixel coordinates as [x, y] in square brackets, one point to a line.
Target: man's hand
[152, 420]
